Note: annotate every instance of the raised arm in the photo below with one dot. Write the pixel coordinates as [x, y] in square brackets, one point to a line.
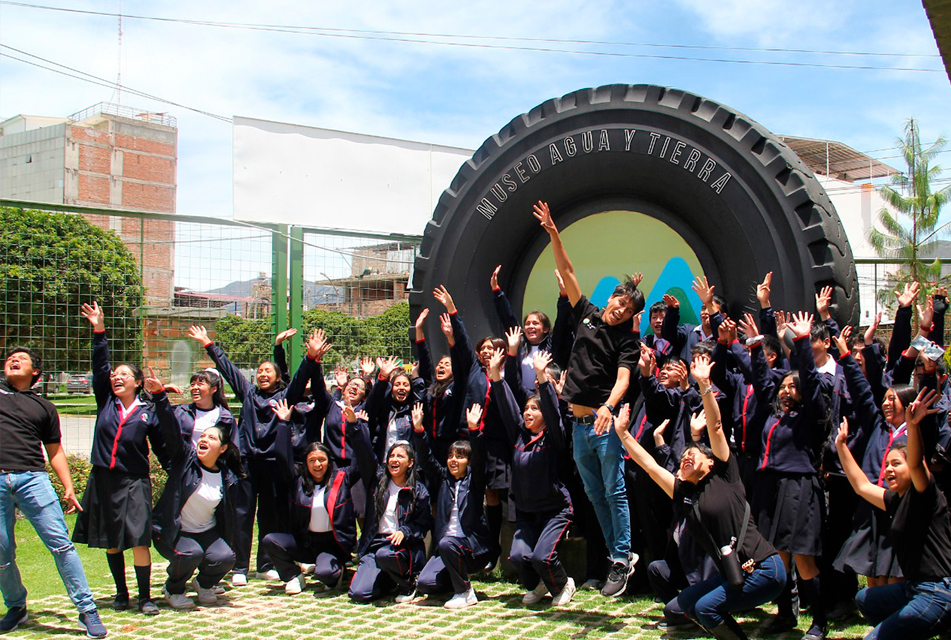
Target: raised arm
[507, 317]
[508, 410]
[284, 440]
[280, 358]
[101, 368]
[914, 454]
[431, 467]
[173, 442]
[565, 268]
[660, 475]
[239, 384]
[562, 332]
[865, 489]
[700, 370]
[422, 348]
[901, 330]
[554, 428]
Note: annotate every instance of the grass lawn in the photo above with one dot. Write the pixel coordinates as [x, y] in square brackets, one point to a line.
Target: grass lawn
[263, 610]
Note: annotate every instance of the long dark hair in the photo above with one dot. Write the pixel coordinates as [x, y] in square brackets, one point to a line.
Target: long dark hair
[401, 373]
[777, 405]
[411, 478]
[904, 393]
[308, 480]
[438, 387]
[212, 378]
[231, 458]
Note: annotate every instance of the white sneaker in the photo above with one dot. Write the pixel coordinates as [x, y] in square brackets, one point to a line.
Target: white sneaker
[270, 574]
[178, 600]
[403, 598]
[462, 600]
[564, 596]
[295, 585]
[205, 596]
[239, 579]
[307, 569]
[535, 595]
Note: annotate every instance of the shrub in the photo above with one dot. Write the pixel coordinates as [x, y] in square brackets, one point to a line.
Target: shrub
[80, 468]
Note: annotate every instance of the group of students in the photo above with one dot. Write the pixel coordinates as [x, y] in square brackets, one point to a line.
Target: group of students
[731, 456]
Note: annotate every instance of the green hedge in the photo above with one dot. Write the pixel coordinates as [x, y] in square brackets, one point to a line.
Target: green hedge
[80, 468]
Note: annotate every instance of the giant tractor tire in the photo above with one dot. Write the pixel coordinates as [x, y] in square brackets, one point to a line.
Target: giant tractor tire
[741, 199]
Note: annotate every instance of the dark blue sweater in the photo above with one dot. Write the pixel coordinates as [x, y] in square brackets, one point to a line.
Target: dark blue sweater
[119, 444]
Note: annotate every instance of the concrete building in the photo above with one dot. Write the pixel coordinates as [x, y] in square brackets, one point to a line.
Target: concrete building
[106, 156]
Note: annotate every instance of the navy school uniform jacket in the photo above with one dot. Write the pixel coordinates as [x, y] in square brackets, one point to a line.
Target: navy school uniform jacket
[562, 333]
[119, 444]
[185, 415]
[791, 441]
[535, 482]
[872, 432]
[469, 492]
[478, 390]
[338, 436]
[383, 409]
[507, 321]
[444, 419]
[414, 516]
[184, 477]
[257, 418]
[661, 404]
[337, 498]
[738, 386]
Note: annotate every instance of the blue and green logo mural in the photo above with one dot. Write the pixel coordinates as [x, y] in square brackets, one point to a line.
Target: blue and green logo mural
[613, 243]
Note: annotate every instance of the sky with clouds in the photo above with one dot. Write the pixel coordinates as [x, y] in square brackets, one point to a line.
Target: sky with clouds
[385, 68]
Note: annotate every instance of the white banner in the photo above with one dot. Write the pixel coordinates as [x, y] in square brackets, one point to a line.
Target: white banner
[291, 174]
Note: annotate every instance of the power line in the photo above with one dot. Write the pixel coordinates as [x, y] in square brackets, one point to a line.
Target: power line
[88, 77]
[247, 25]
[426, 38]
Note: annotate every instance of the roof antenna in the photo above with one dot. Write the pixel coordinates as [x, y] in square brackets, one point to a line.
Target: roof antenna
[119, 74]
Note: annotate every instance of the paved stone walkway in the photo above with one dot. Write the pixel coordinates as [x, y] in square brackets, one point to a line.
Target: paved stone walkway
[262, 610]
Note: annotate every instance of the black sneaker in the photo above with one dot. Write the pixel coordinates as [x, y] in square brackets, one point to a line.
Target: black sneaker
[120, 602]
[14, 618]
[816, 632]
[92, 624]
[617, 579]
[148, 607]
[842, 611]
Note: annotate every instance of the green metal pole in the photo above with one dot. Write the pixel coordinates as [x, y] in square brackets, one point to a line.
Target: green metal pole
[296, 284]
[279, 279]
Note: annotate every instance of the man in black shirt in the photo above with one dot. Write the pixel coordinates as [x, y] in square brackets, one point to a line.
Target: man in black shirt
[26, 421]
[599, 373]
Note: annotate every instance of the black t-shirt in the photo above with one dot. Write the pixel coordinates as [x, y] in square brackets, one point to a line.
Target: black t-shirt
[921, 532]
[722, 500]
[599, 350]
[26, 421]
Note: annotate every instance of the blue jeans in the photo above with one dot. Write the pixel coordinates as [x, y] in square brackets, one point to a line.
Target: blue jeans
[32, 493]
[907, 610]
[709, 601]
[602, 471]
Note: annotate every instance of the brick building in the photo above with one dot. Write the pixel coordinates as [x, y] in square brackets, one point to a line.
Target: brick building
[107, 156]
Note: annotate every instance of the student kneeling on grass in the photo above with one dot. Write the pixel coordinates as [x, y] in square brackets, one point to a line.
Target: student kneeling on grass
[324, 526]
[461, 534]
[194, 521]
[543, 505]
[920, 606]
[398, 515]
[718, 518]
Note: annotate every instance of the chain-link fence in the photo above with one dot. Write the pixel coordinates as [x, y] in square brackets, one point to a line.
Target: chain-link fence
[156, 275]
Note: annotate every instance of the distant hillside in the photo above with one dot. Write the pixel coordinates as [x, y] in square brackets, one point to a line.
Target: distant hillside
[314, 293]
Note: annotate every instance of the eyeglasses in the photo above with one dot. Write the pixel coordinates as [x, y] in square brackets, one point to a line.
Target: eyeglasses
[121, 376]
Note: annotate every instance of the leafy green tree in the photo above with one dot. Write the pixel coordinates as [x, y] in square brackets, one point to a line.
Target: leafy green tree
[914, 231]
[52, 262]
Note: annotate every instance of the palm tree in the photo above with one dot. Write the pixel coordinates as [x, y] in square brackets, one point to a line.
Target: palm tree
[911, 197]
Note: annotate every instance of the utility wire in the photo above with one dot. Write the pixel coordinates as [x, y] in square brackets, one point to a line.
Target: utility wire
[88, 77]
[302, 28]
[421, 38]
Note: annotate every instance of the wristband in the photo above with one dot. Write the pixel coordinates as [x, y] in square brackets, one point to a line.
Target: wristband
[609, 406]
